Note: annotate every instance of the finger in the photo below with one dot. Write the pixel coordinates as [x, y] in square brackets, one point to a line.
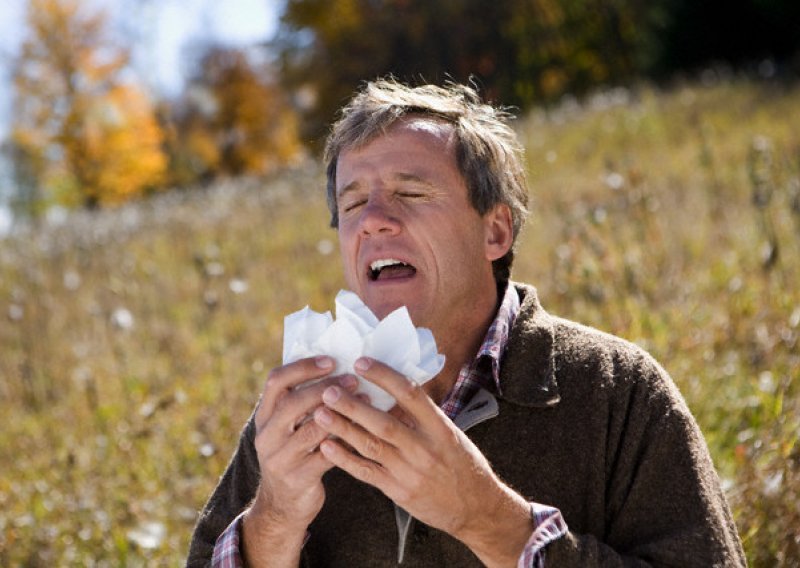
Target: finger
[291, 411]
[403, 417]
[356, 437]
[300, 446]
[281, 379]
[364, 470]
[373, 433]
[301, 403]
[298, 457]
[410, 396]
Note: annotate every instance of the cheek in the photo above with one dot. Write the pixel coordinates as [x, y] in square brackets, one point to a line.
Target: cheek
[463, 255]
[347, 253]
[344, 235]
[459, 241]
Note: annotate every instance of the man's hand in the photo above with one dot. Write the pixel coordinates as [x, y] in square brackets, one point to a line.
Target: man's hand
[425, 464]
[290, 493]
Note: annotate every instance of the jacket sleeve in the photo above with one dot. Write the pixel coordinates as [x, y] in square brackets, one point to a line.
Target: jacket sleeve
[235, 491]
[664, 502]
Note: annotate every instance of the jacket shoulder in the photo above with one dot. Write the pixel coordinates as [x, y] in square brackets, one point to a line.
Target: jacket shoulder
[564, 354]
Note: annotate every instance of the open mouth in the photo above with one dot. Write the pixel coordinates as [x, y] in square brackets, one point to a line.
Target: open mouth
[390, 269]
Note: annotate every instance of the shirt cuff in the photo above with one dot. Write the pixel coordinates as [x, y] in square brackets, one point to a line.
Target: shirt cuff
[548, 526]
[226, 550]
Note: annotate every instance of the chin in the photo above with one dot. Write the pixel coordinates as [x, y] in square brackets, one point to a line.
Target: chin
[382, 307]
[418, 316]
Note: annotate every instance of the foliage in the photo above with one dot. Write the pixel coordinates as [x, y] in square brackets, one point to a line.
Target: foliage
[136, 340]
[124, 139]
[233, 120]
[521, 52]
[692, 33]
[80, 133]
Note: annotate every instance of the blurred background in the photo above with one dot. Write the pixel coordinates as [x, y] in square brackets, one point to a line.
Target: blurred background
[162, 209]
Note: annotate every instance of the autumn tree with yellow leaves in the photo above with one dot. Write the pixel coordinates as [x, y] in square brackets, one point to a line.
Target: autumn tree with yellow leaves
[81, 134]
[233, 120]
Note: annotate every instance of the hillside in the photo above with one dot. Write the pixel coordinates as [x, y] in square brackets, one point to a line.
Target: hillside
[135, 341]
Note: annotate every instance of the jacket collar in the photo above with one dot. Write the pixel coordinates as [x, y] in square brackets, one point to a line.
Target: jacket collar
[527, 373]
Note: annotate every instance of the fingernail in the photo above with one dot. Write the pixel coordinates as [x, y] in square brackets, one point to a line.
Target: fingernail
[323, 362]
[362, 364]
[323, 416]
[331, 395]
[328, 449]
[348, 381]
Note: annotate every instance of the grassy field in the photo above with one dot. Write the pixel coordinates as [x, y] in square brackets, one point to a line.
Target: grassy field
[134, 342]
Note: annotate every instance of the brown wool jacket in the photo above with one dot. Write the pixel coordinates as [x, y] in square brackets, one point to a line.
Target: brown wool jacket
[586, 422]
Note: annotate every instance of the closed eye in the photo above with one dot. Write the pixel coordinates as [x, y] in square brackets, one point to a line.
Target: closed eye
[411, 194]
[350, 206]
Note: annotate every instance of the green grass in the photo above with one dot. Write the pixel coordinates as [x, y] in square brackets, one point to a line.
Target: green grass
[669, 218]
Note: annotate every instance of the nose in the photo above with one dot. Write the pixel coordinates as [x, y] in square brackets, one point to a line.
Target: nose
[377, 217]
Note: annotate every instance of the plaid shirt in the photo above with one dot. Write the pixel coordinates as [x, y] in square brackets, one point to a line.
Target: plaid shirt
[481, 372]
[484, 370]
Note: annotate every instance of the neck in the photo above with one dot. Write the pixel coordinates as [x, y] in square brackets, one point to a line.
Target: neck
[459, 348]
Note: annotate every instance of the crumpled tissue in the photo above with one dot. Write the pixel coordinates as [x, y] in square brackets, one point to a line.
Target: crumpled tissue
[357, 332]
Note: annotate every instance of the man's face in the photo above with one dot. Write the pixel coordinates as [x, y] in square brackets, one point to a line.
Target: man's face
[408, 233]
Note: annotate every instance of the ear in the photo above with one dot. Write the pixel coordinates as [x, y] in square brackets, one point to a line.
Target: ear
[498, 231]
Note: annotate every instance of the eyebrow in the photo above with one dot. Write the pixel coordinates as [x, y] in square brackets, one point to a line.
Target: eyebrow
[352, 186]
[413, 178]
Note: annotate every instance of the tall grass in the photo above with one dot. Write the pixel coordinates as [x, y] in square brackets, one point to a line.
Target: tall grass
[673, 219]
[135, 341]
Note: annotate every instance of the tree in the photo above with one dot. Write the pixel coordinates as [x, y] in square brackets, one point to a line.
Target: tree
[233, 120]
[74, 114]
[122, 146]
[518, 51]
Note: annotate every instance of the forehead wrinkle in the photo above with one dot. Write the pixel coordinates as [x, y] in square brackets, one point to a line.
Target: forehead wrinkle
[438, 129]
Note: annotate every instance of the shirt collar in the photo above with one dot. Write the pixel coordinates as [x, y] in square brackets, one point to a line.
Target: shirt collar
[483, 371]
[494, 344]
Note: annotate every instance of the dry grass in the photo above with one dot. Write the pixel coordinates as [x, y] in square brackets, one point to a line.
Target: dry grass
[134, 342]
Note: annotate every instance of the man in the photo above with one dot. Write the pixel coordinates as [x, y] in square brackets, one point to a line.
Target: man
[541, 442]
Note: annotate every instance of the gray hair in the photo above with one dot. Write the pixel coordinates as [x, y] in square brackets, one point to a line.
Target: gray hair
[488, 153]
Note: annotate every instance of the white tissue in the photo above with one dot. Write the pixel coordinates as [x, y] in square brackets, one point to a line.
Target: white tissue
[356, 332]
